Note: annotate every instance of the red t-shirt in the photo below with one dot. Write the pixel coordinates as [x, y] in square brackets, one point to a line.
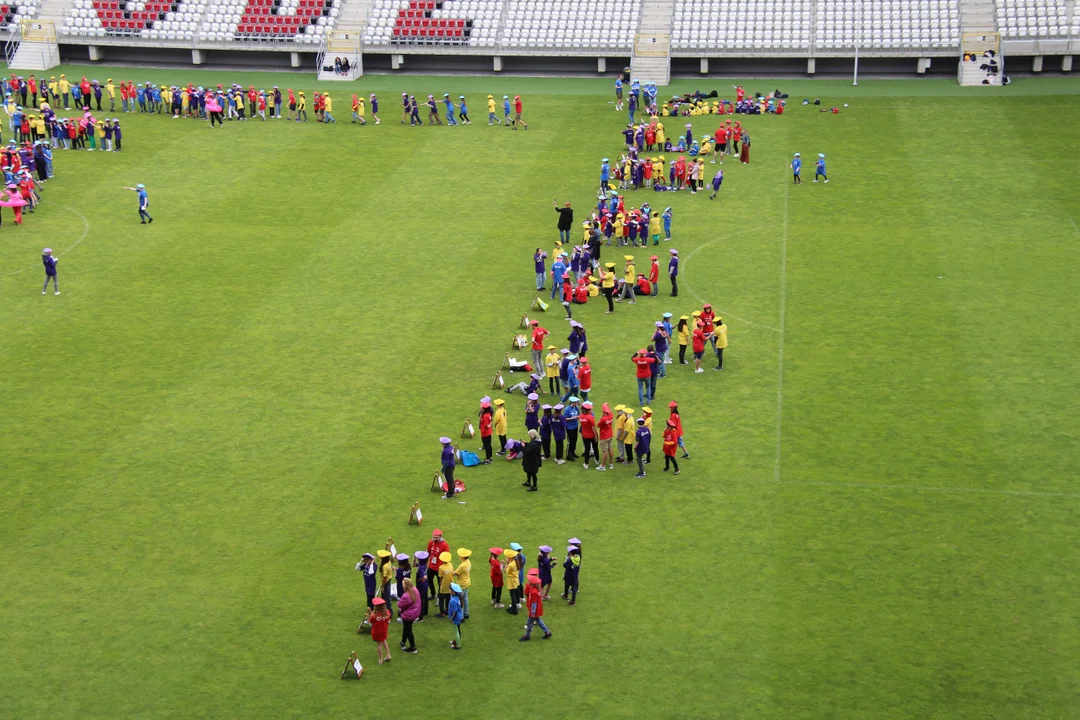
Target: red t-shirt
[433, 551]
[485, 425]
[604, 425]
[588, 425]
[654, 272]
[496, 572]
[380, 625]
[644, 286]
[584, 375]
[538, 338]
[643, 362]
[720, 135]
[517, 105]
[699, 340]
[534, 601]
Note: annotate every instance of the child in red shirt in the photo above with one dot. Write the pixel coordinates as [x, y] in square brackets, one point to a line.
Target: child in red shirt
[671, 442]
[379, 619]
[534, 601]
[496, 577]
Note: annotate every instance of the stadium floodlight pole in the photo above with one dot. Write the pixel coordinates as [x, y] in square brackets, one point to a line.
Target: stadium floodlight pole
[855, 78]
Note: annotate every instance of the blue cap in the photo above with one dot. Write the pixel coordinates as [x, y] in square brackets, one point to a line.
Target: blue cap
[516, 546]
[455, 587]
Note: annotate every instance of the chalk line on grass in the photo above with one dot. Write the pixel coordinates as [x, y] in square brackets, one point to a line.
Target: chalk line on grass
[1076, 228]
[931, 488]
[780, 351]
[722, 313]
[85, 232]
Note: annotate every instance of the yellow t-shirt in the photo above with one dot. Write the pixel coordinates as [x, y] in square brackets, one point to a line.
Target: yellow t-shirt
[99, 129]
[328, 104]
[491, 105]
[64, 85]
[551, 362]
[362, 107]
[720, 333]
[609, 279]
[110, 88]
[463, 574]
[301, 103]
[446, 576]
[498, 421]
[654, 225]
[630, 275]
[684, 334]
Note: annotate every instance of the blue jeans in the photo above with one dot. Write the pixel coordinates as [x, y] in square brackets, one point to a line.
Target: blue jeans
[663, 359]
[535, 621]
[652, 388]
[643, 386]
[564, 235]
[540, 281]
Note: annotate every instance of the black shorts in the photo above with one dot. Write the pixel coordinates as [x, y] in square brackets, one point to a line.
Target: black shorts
[292, 106]
[698, 354]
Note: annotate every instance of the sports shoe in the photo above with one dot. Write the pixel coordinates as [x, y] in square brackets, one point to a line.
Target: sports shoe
[601, 468]
[559, 462]
[546, 637]
[678, 471]
[56, 293]
[411, 651]
[639, 475]
[523, 638]
[686, 456]
[586, 465]
[699, 370]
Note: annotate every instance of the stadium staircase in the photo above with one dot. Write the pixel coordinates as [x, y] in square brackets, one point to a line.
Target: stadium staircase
[345, 42]
[979, 32]
[651, 59]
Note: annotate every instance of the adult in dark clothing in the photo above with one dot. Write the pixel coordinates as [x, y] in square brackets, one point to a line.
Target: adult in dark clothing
[531, 460]
[566, 220]
[448, 463]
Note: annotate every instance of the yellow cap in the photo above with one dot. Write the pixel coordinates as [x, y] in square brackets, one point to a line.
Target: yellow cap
[383, 553]
[499, 401]
[552, 347]
[628, 257]
[444, 556]
[619, 407]
[647, 410]
[696, 313]
[511, 553]
[463, 553]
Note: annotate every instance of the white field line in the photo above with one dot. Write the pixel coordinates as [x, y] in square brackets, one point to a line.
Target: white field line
[85, 232]
[722, 313]
[780, 352]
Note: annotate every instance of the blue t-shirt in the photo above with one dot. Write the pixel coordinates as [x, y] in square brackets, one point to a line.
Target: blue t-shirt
[506, 107]
[796, 166]
[144, 201]
[821, 167]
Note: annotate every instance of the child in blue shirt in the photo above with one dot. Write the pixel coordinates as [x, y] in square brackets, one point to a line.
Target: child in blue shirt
[796, 169]
[820, 169]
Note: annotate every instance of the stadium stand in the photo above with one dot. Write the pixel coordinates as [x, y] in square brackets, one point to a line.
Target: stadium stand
[725, 25]
[452, 23]
[888, 24]
[654, 37]
[1029, 19]
[14, 12]
[607, 25]
[157, 20]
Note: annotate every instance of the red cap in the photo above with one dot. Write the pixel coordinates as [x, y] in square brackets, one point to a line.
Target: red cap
[437, 531]
[641, 351]
[653, 257]
[378, 601]
[673, 404]
[534, 322]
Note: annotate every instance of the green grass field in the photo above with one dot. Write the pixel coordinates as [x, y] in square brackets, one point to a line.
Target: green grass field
[222, 411]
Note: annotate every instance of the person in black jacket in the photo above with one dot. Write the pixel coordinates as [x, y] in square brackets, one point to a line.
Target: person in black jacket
[566, 220]
[531, 460]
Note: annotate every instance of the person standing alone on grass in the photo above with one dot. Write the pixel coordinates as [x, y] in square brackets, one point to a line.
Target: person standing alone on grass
[448, 463]
[540, 268]
[538, 336]
[566, 220]
[49, 261]
[144, 203]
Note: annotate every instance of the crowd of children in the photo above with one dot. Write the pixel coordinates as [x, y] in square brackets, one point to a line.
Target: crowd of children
[415, 582]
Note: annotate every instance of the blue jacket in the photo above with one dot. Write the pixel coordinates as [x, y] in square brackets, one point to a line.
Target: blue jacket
[50, 264]
[457, 615]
